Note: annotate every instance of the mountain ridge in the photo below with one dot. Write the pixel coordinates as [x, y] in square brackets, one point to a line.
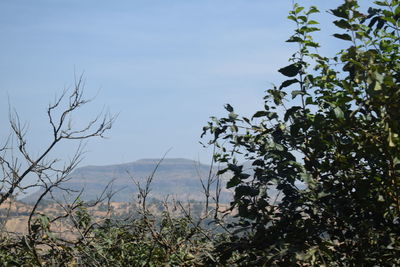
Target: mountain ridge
[178, 177]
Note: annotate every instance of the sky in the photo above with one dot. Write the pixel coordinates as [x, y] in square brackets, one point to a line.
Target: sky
[164, 66]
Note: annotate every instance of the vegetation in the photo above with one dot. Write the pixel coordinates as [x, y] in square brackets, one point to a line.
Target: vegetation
[332, 151]
[327, 140]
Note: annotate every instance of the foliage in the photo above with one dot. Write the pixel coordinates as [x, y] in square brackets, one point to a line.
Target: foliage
[67, 234]
[139, 241]
[328, 141]
[177, 236]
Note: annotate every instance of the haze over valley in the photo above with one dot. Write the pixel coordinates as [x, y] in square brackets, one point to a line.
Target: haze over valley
[174, 177]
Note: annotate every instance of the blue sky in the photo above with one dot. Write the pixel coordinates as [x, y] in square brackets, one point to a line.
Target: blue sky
[165, 66]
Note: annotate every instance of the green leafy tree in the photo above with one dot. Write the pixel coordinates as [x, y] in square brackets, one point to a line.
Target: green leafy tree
[328, 141]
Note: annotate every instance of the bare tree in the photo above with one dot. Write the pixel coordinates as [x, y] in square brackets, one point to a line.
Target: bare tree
[17, 164]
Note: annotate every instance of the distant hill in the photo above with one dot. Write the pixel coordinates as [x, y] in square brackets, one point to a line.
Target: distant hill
[178, 178]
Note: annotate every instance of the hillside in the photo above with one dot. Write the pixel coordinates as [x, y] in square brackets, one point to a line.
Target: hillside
[178, 178]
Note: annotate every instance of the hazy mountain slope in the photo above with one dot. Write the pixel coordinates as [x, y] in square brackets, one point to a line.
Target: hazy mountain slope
[179, 178]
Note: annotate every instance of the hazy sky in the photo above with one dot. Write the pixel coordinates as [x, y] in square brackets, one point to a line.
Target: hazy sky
[165, 66]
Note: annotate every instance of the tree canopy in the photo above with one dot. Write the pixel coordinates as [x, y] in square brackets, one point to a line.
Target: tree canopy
[328, 141]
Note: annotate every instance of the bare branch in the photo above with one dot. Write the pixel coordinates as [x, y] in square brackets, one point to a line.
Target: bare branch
[16, 168]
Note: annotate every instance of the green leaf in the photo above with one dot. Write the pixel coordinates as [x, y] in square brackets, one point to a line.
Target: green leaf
[309, 101]
[323, 194]
[392, 139]
[233, 116]
[290, 112]
[339, 12]
[343, 24]
[291, 17]
[377, 86]
[229, 108]
[244, 190]
[258, 162]
[309, 29]
[294, 39]
[379, 77]
[344, 36]
[222, 171]
[291, 70]
[244, 176]
[312, 22]
[381, 3]
[311, 44]
[303, 18]
[288, 83]
[298, 9]
[338, 112]
[313, 9]
[397, 11]
[297, 92]
[261, 113]
[234, 181]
